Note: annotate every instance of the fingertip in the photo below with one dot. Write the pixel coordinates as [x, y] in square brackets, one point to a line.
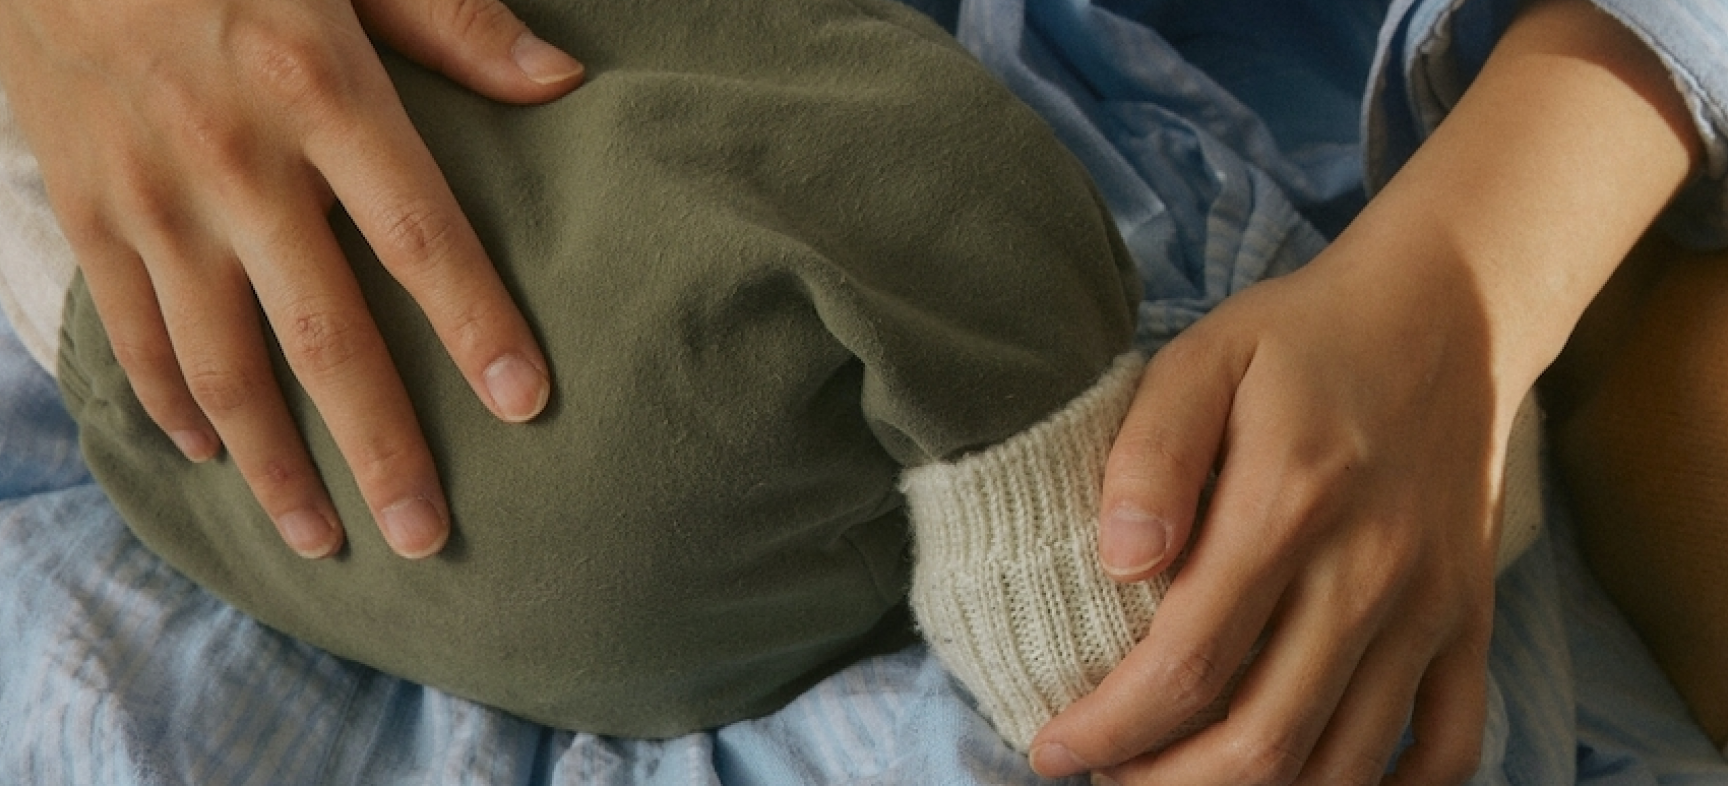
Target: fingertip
[543, 63]
[1133, 544]
[197, 445]
[1054, 760]
[478, 43]
[310, 533]
[415, 528]
[519, 389]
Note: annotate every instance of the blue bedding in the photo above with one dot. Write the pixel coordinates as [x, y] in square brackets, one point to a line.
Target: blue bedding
[116, 670]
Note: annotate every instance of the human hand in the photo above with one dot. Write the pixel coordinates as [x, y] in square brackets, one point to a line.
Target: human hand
[1358, 446]
[1357, 413]
[192, 150]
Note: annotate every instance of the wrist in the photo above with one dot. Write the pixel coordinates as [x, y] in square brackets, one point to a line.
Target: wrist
[1536, 185]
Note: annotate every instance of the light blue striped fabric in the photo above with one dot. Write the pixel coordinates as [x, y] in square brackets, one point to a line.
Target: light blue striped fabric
[117, 671]
[114, 670]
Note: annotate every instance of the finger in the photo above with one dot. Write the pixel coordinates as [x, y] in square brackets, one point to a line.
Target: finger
[401, 204]
[1203, 630]
[1451, 710]
[1162, 456]
[1288, 698]
[478, 43]
[326, 332]
[127, 304]
[1363, 735]
[218, 339]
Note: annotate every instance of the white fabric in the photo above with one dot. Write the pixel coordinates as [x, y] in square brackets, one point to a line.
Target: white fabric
[36, 262]
[1006, 584]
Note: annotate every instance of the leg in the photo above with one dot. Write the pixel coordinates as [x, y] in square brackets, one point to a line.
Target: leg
[1639, 405]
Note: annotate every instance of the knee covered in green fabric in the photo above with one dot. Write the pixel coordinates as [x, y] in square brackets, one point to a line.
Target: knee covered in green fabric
[775, 252]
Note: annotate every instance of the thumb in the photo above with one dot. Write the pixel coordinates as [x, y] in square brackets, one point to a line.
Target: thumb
[1160, 461]
[478, 43]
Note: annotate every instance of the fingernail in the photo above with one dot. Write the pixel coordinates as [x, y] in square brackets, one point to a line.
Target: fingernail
[1131, 541]
[543, 62]
[1053, 760]
[308, 533]
[519, 390]
[414, 528]
[194, 445]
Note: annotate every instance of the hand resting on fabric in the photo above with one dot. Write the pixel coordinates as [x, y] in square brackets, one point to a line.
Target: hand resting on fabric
[780, 252]
[192, 152]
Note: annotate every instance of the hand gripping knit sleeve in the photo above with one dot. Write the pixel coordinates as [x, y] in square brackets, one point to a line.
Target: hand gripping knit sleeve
[1006, 584]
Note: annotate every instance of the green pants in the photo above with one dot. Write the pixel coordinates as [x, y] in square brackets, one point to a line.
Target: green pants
[776, 252]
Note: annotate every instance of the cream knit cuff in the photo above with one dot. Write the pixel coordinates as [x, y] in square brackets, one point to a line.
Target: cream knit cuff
[1006, 584]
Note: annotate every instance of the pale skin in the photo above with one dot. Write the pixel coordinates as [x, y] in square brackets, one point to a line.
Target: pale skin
[1355, 412]
[192, 150]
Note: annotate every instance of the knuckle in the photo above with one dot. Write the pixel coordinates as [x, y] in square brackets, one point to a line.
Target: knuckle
[472, 326]
[222, 391]
[1307, 501]
[222, 144]
[276, 476]
[139, 356]
[420, 233]
[208, 130]
[144, 203]
[1153, 450]
[1374, 588]
[1270, 761]
[381, 460]
[1118, 744]
[1195, 680]
[295, 67]
[464, 18]
[320, 341]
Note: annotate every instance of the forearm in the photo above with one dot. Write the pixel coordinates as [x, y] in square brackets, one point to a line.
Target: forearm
[1560, 155]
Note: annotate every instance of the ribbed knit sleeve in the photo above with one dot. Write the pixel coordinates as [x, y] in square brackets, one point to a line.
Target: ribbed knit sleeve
[1006, 584]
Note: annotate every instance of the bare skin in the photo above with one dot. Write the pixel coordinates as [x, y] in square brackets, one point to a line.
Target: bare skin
[1356, 414]
[1640, 431]
[192, 151]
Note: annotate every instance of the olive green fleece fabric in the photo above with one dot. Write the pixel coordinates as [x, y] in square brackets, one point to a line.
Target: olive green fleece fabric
[775, 251]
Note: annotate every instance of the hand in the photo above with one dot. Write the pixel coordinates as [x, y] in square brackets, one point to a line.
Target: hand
[192, 150]
[1351, 532]
[1356, 413]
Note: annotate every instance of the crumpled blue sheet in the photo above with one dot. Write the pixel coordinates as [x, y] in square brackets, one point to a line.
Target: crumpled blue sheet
[116, 670]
